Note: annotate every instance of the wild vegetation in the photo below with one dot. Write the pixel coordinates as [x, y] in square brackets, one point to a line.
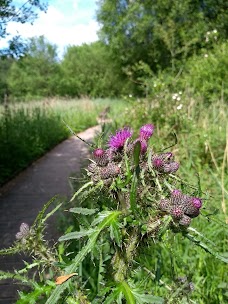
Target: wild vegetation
[148, 222]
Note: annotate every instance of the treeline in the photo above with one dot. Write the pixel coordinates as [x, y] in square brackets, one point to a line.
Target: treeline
[145, 47]
[84, 71]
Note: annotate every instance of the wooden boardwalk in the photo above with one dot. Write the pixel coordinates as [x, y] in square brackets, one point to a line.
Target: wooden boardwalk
[23, 197]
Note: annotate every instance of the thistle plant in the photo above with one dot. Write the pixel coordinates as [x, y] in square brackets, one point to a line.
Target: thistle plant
[132, 203]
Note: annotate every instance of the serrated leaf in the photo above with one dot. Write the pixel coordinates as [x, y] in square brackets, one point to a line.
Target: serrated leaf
[100, 217]
[115, 233]
[127, 291]
[144, 298]
[84, 211]
[39, 219]
[76, 235]
[113, 296]
[108, 218]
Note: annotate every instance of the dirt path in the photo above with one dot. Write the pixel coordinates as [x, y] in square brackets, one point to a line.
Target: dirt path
[23, 197]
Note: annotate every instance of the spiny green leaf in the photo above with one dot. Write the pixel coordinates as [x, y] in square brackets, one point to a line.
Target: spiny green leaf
[15, 276]
[206, 248]
[129, 296]
[34, 296]
[51, 213]
[39, 218]
[76, 235]
[113, 296]
[115, 232]
[84, 211]
[144, 298]
[101, 216]
[107, 218]
[11, 250]
[81, 189]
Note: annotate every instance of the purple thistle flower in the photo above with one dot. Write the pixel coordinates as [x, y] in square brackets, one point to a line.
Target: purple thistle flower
[117, 141]
[146, 131]
[158, 163]
[176, 192]
[98, 152]
[100, 157]
[197, 202]
[143, 146]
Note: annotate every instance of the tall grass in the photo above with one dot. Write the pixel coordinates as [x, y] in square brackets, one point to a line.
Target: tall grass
[28, 130]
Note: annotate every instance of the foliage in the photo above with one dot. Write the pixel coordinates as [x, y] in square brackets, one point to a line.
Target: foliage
[13, 12]
[36, 73]
[88, 71]
[159, 33]
[5, 64]
[206, 74]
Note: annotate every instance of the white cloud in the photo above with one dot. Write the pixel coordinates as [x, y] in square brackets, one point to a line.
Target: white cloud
[72, 25]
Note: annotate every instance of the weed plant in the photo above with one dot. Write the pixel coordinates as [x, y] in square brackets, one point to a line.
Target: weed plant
[141, 232]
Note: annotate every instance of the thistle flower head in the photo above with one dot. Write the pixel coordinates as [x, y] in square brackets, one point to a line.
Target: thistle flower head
[177, 212]
[146, 131]
[171, 167]
[197, 202]
[117, 141]
[143, 146]
[176, 192]
[185, 221]
[23, 233]
[158, 163]
[100, 157]
[98, 152]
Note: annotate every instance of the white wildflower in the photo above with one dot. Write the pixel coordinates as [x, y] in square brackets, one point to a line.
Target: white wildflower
[180, 106]
[206, 55]
[215, 31]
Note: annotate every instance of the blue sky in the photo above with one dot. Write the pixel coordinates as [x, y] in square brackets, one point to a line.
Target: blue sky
[66, 22]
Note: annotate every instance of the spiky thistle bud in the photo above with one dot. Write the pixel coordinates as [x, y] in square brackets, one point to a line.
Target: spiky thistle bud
[111, 170]
[100, 157]
[185, 221]
[177, 212]
[197, 202]
[146, 131]
[158, 164]
[23, 233]
[164, 205]
[171, 167]
[92, 168]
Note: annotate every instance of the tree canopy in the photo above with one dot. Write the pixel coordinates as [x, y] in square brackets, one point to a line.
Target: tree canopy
[12, 11]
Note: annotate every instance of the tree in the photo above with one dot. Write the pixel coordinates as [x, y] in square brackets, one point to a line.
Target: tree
[88, 70]
[35, 74]
[12, 11]
[160, 33]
